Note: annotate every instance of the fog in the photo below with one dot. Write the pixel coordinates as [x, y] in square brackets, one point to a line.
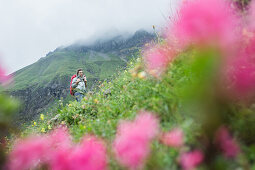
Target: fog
[29, 29]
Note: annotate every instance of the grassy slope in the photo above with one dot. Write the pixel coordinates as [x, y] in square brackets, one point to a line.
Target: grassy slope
[100, 115]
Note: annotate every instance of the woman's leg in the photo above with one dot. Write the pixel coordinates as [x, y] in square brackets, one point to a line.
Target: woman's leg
[78, 96]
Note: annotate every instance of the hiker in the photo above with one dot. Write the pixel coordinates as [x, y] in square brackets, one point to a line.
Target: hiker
[79, 85]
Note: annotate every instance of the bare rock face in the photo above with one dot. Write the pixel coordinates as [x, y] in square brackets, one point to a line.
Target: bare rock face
[35, 99]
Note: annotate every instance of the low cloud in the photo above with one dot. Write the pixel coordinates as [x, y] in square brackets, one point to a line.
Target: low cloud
[29, 29]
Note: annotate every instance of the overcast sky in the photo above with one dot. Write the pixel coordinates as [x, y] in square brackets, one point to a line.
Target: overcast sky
[29, 29]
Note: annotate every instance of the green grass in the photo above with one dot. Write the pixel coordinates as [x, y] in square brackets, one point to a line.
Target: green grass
[179, 99]
[99, 114]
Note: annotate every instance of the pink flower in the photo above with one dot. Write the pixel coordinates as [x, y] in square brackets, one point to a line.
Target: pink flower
[191, 160]
[53, 149]
[205, 22]
[226, 143]
[60, 159]
[243, 77]
[3, 77]
[174, 138]
[157, 59]
[60, 138]
[147, 123]
[132, 143]
[61, 149]
[28, 153]
[239, 72]
[89, 155]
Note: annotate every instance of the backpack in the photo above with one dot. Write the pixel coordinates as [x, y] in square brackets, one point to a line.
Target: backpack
[71, 89]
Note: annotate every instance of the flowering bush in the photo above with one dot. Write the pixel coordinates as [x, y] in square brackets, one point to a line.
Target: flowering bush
[219, 47]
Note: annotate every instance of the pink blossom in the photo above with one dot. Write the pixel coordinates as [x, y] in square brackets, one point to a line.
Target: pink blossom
[243, 77]
[3, 77]
[61, 149]
[132, 143]
[239, 73]
[157, 59]
[147, 123]
[191, 160]
[205, 22]
[89, 155]
[60, 138]
[173, 138]
[28, 153]
[60, 159]
[226, 143]
[53, 149]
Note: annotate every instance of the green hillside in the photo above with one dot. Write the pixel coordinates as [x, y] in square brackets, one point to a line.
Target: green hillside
[60, 64]
[99, 60]
[47, 80]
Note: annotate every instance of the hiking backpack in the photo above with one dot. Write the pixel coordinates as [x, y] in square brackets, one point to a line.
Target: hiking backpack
[71, 89]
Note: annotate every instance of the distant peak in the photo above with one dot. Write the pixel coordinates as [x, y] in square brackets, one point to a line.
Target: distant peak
[141, 32]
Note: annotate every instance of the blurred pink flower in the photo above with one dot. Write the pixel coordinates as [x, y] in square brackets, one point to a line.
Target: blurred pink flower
[240, 73]
[191, 160]
[3, 77]
[226, 143]
[61, 149]
[147, 123]
[60, 159]
[60, 138]
[89, 155]
[53, 149]
[173, 138]
[28, 153]
[57, 151]
[243, 77]
[132, 143]
[157, 59]
[205, 22]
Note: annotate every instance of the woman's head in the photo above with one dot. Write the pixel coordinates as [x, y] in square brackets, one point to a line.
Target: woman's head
[79, 72]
